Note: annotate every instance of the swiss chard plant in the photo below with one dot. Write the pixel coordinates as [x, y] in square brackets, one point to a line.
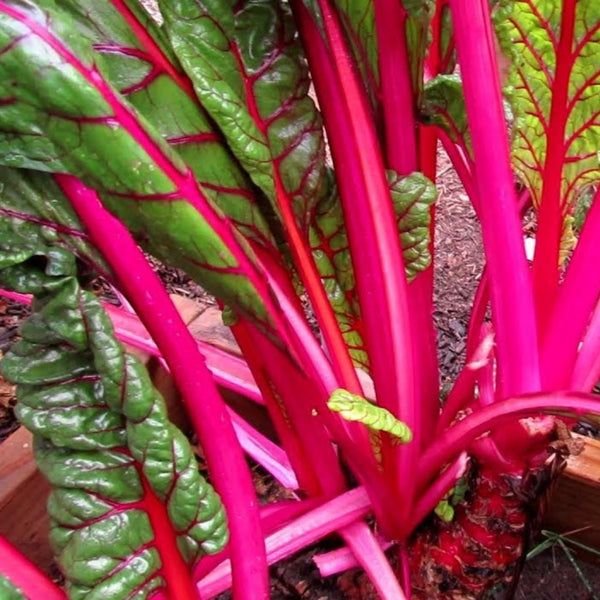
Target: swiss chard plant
[283, 154]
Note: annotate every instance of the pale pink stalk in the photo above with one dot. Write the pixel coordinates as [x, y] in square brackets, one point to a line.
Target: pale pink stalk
[342, 559]
[577, 298]
[513, 311]
[586, 371]
[205, 406]
[374, 241]
[371, 558]
[265, 452]
[303, 531]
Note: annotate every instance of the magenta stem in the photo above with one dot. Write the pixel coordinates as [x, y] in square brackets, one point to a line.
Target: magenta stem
[25, 576]
[461, 435]
[374, 241]
[396, 87]
[205, 406]
[586, 371]
[513, 311]
[577, 298]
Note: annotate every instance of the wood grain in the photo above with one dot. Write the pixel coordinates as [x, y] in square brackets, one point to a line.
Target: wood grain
[575, 504]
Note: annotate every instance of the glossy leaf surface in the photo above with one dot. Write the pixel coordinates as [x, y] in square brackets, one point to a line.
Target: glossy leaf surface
[31, 204]
[138, 61]
[126, 487]
[248, 70]
[71, 120]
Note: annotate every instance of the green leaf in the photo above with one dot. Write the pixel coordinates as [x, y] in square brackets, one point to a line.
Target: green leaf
[8, 591]
[248, 70]
[330, 252]
[445, 511]
[33, 206]
[104, 441]
[554, 94]
[358, 19]
[443, 104]
[70, 120]
[147, 73]
[356, 408]
[412, 197]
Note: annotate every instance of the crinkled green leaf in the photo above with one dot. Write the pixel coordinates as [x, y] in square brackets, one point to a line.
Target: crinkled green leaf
[8, 591]
[248, 70]
[356, 408]
[103, 439]
[58, 114]
[554, 93]
[419, 14]
[358, 19]
[148, 75]
[32, 205]
[412, 198]
[443, 104]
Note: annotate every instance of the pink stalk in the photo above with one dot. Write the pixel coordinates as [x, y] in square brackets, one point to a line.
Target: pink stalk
[303, 531]
[461, 435]
[462, 165]
[404, 569]
[436, 492]
[397, 96]
[402, 156]
[478, 312]
[462, 391]
[202, 400]
[25, 576]
[373, 236]
[342, 559]
[420, 297]
[420, 293]
[265, 452]
[577, 298]
[511, 293]
[16, 296]
[586, 371]
[550, 220]
[372, 559]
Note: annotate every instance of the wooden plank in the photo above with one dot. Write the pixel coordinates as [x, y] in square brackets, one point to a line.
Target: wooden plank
[23, 495]
[574, 507]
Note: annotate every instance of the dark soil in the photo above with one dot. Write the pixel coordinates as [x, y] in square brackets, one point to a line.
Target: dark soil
[459, 263]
